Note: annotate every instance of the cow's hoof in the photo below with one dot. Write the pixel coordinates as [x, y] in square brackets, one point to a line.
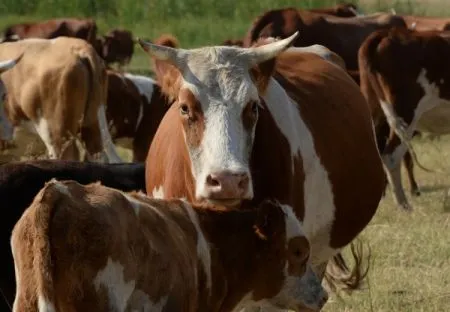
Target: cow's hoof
[415, 192]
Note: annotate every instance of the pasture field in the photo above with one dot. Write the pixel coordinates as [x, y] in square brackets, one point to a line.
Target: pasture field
[410, 268]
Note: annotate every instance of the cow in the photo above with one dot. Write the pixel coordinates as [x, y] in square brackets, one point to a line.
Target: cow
[95, 248]
[405, 78]
[425, 23]
[48, 29]
[117, 46]
[343, 36]
[253, 123]
[59, 88]
[21, 181]
[341, 10]
[134, 109]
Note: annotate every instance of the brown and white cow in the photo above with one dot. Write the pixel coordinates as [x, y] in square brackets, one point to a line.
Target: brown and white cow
[94, 248]
[59, 87]
[425, 23]
[70, 27]
[405, 76]
[343, 36]
[134, 110]
[246, 126]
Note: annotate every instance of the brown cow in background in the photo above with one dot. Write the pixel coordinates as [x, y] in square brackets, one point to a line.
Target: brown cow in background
[343, 36]
[70, 27]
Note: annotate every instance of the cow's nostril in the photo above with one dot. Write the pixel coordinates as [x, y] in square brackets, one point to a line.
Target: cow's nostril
[212, 182]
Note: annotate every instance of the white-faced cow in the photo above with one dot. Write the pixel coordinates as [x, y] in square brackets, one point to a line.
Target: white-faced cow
[94, 248]
[405, 76]
[255, 123]
[59, 87]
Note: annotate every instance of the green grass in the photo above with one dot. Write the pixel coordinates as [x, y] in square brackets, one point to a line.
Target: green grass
[411, 251]
[193, 22]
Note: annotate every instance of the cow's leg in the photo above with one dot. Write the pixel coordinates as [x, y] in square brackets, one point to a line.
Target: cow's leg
[392, 157]
[409, 165]
[107, 142]
[6, 130]
[98, 140]
[91, 136]
[42, 128]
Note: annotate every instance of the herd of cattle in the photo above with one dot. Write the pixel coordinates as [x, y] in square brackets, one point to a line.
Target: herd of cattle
[255, 162]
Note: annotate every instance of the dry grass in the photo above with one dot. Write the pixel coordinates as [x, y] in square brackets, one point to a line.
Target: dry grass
[411, 251]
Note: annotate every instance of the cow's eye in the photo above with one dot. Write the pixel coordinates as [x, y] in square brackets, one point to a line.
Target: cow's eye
[184, 109]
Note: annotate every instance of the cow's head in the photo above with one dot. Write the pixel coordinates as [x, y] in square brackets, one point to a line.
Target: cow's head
[285, 279]
[216, 90]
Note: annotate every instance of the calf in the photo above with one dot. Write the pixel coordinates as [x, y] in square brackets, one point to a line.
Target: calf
[405, 76]
[93, 248]
[343, 36]
[135, 108]
[21, 181]
[59, 88]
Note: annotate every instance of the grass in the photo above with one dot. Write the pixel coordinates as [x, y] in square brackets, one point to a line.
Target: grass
[411, 251]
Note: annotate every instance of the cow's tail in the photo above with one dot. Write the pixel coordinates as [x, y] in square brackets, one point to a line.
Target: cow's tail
[338, 274]
[95, 108]
[369, 50]
[34, 229]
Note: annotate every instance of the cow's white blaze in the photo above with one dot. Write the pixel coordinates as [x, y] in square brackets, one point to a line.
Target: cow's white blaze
[118, 290]
[318, 194]
[225, 144]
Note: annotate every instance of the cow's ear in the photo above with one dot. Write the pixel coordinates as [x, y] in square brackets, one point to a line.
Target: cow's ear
[269, 220]
[168, 77]
[166, 60]
[262, 73]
